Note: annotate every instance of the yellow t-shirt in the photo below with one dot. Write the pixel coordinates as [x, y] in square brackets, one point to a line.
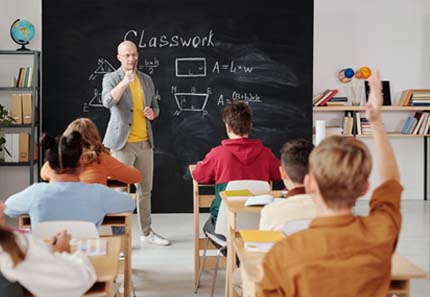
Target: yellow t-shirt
[138, 131]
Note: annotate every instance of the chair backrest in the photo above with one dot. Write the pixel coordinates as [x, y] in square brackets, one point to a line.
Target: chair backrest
[78, 229]
[295, 226]
[244, 220]
[256, 187]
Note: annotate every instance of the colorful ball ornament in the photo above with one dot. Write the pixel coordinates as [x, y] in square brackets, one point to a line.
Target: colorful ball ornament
[363, 73]
[345, 75]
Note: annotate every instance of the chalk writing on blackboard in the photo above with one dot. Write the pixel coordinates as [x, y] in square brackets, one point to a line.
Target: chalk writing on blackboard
[231, 67]
[195, 102]
[239, 96]
[190, 67]
[103, 67]
[162, 40]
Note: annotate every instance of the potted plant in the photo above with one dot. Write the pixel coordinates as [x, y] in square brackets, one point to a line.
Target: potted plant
[5, 120]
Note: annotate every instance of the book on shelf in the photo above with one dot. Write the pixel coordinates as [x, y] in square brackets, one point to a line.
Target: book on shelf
[260, 240]
[328, 94]
[407, 125]
[420, 118]
[358, 123]
[318, 97]
[30, 78]
[423, 126]
[348, 125]
[89, 247]
[337, 101]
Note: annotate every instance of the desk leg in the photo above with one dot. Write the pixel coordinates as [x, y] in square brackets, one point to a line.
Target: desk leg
[231, 259]
[127, 257]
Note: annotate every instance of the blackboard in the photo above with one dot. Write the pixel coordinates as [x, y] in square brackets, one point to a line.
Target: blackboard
[200, 54]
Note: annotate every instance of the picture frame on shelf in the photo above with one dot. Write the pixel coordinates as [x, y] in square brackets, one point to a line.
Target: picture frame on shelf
[385, 91]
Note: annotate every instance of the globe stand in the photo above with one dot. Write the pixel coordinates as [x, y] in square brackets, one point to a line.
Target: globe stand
[23, 48]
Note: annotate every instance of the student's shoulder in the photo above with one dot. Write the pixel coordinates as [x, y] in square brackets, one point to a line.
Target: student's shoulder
[297, 248]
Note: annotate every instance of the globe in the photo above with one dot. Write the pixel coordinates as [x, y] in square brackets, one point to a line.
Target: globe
[22, 32]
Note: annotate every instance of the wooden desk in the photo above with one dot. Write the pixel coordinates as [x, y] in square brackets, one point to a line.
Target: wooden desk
[201, 201]
[234, 207]
[111, 220]
[106, 268]
[402, 271]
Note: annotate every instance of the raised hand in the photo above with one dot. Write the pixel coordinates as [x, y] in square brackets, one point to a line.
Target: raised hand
[374, 102]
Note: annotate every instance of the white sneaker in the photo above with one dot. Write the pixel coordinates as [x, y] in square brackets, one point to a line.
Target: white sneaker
[154, 238]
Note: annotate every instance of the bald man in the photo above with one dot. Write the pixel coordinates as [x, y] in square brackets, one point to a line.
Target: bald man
[130, 96]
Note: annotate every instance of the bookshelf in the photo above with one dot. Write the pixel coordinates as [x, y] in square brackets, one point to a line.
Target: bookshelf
[392, 134]
[34, 127]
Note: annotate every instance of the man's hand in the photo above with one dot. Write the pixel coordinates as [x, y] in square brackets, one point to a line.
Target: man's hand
[149, 113]
[128, 77]
[61, 242]
[373, 105]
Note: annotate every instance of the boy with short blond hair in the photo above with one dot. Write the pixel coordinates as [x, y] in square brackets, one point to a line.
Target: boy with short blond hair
[342, 254]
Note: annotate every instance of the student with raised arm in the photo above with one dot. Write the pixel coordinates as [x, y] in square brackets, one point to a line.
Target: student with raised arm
[97, 163]
[44, 270]
[65, 197]
[342, 254]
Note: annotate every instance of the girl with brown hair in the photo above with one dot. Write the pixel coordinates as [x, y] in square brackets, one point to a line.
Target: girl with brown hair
[98, 164]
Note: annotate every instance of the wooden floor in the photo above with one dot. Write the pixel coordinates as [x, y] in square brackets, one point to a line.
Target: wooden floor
[168, 271]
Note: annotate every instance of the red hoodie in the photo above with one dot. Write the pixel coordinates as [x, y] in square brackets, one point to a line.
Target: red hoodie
[236, 159]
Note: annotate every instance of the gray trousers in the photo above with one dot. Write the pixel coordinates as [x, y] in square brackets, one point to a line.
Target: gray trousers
[140, 155]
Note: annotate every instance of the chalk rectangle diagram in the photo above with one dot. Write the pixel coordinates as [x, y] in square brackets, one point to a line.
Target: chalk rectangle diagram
[191, 101]
[190, 67]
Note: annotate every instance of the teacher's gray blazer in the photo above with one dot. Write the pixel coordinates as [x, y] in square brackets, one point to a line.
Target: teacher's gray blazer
[121, 113]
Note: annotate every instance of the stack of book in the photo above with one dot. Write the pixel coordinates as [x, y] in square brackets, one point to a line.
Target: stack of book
[365, 127]
[338, 101]
[322, 98]
[419, 124]
[25, 77]
[259, 240]
[420, 98]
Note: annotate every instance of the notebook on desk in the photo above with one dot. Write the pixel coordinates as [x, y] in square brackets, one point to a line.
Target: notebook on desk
[89, 247]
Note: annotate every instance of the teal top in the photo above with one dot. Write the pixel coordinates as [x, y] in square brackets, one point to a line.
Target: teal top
[217, 200]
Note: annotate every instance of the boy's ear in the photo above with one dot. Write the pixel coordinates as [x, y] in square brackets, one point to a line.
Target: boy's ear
[227, 128]
[309, 184]
[284, 174]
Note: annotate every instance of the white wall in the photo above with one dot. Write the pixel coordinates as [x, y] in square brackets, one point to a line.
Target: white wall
[390, 35]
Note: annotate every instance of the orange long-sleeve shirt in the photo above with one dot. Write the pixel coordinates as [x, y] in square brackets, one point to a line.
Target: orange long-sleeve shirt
[340, 255]
[98, 172]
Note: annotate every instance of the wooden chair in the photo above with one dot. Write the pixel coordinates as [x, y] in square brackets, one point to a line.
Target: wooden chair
[202, 201]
